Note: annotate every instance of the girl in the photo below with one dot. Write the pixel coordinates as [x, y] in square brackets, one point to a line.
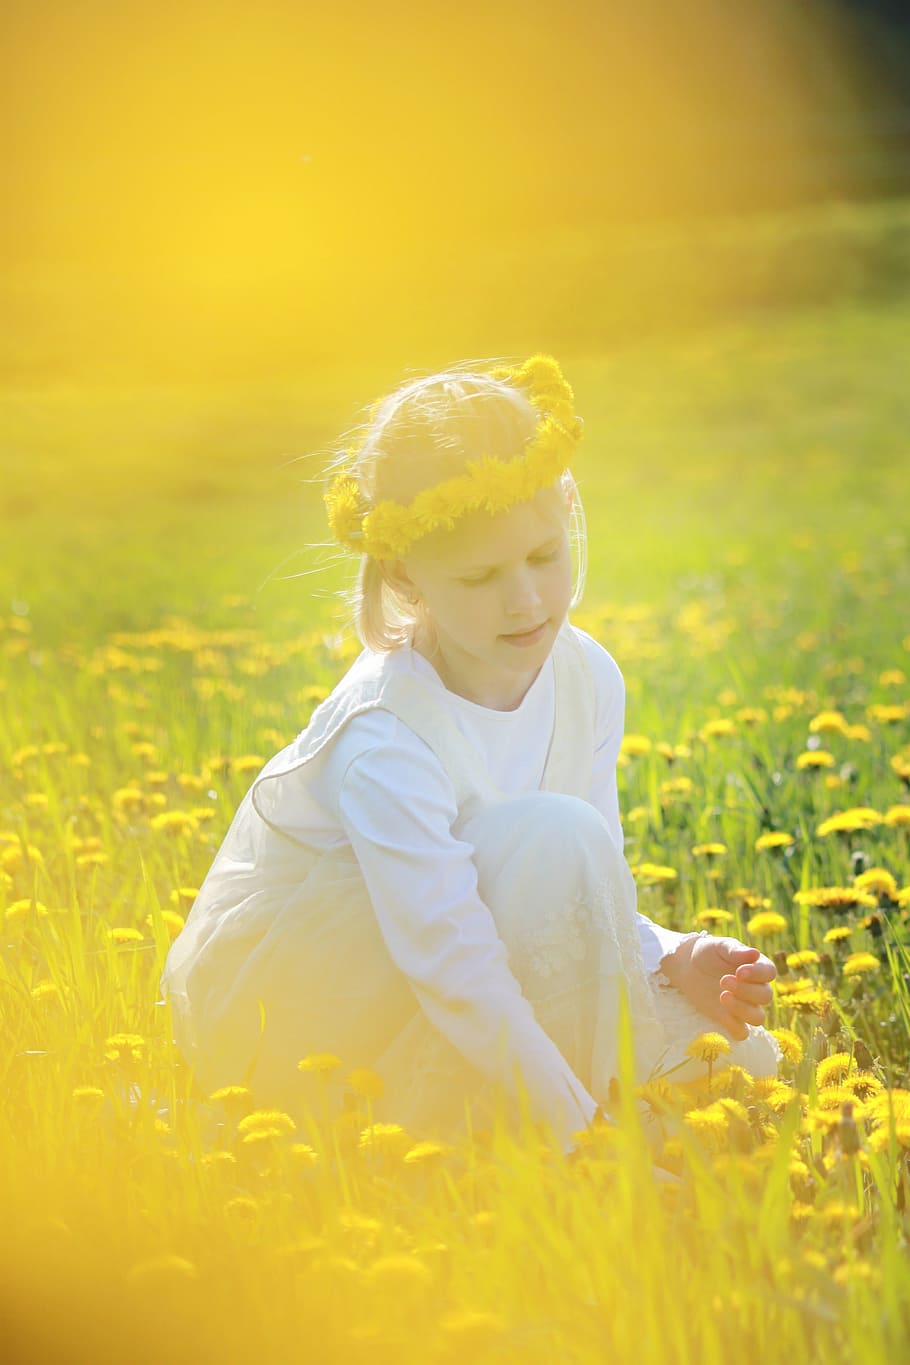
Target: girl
[429, 880]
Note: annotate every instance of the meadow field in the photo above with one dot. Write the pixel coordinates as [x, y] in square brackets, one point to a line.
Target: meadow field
[164, 629]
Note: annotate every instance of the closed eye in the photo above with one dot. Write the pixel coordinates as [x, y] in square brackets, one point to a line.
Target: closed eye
[490, 573]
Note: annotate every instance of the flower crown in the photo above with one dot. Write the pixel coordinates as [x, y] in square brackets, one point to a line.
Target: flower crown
[386, 530]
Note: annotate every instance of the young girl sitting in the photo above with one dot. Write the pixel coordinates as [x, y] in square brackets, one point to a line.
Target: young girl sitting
[429, 881]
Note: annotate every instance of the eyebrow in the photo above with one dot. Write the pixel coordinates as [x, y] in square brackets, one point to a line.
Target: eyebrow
[485, 568]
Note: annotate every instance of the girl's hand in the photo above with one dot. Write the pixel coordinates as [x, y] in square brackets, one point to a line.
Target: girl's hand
[723, 979]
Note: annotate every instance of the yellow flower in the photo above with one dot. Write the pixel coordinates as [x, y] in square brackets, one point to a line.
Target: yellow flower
[714, 915]
[46, 990]
[805, 958]
[815, 758]
[888, 714]
[717, 729]
[826, 722]
[305, 1154]
[877, 879]
[124, 1047]
[898, 817]
[385, 1137]
[708, 850]
[833, 1068]
[88, 1094]
[860, 964]
[25, 909]
[790, 1044]
[767, 923]
[635, 745]
[172, 922]
[838, 933]
[177, 823]
[272, 1121]
[654, 872]
[367, 1083]
[237, 1099]
[707, 1047]
[836, 898]
[422, 1152]
[773, 839]
[849, 821]
[321, 1062]
[125, 934]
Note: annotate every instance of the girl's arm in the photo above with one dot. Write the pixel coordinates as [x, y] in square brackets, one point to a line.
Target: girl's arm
[397, 808]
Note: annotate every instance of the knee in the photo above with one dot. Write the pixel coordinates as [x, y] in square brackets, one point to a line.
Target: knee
[547, 831]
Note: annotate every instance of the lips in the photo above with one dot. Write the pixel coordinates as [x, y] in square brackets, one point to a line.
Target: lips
[526, 636]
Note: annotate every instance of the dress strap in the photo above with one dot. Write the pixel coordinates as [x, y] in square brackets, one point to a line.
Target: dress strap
[570, 756]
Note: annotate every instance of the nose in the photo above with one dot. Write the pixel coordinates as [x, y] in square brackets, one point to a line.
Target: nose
[523, 597]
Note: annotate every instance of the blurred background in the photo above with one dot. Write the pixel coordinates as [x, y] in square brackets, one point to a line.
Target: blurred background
[227, 191]
[227, 228]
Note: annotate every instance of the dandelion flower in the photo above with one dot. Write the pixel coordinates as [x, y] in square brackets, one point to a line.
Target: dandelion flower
[773, 839]
[654, 872]
[707, 1047]
[806, 958]
[88, 1094]
[385, 1137]
[124, 1047]
[305, 1154]
[877, 879]
[714, 915]
[766, 924]
[321, 1062]
[711, 1124]
[24, 909]
[125, 934]
[173, 923]
[46, 990]
[790, 1044]
[230, 1093]
[828, 722]
[709, 850]
[888, 713]
[838, 898]
[271, 1120]
[898, 817]
[849, 821]
[422, 1152]
[814, 758]
[721, 728]
[635, 745]
[838, 933]
[833, 1068]
[860, 964]
[367, 1083]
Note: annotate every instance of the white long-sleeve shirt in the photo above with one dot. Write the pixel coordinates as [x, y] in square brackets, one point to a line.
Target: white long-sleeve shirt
[380, 787]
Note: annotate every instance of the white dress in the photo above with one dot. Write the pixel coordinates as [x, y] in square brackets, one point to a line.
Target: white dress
[437, 891]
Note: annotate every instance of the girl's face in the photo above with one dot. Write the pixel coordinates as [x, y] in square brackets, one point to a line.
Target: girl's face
[496, 590]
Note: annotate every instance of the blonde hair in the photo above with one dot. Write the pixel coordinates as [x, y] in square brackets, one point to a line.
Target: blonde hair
[420, 434]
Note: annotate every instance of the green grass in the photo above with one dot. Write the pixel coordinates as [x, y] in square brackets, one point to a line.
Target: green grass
[746, 489]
